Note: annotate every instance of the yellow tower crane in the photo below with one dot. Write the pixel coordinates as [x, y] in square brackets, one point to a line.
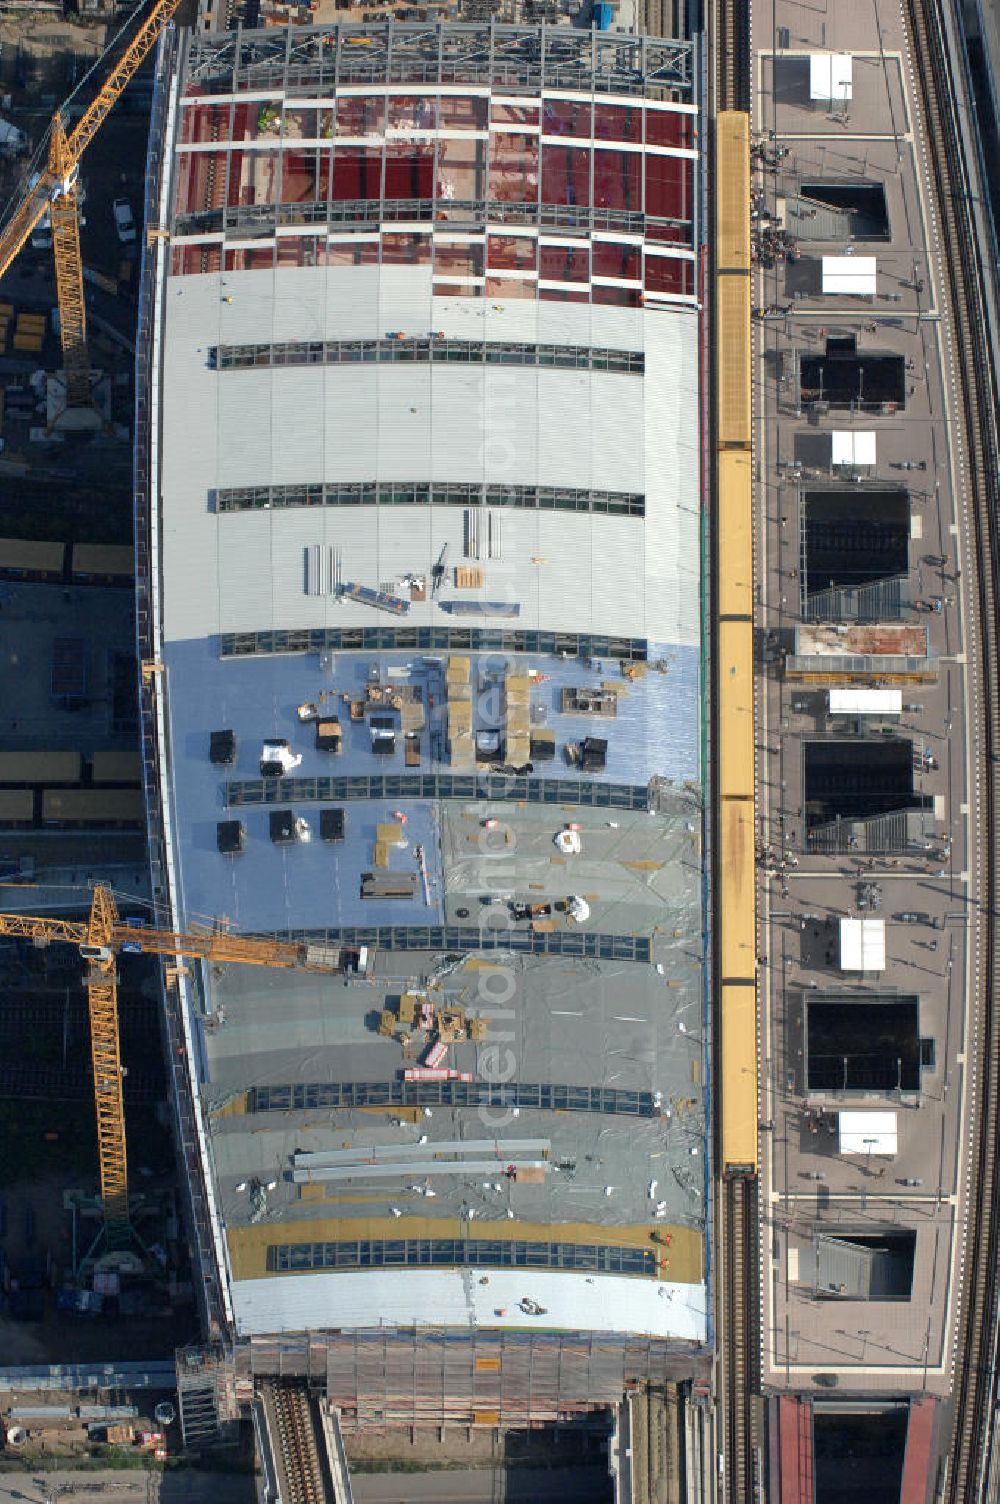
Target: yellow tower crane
[55, 192]
[100, 939]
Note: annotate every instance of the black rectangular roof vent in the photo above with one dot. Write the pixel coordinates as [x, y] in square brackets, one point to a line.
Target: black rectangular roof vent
[231, 836]
[593, 753]
[222, 747]
[331, 824]
[282, 822]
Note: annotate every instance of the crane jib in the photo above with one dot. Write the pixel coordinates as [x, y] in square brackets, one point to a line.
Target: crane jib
[40, 197]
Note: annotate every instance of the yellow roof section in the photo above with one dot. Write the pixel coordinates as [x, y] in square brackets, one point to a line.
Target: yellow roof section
[737, 898]
[733, 345]
[739, 1082]
[732, 202]
[683, 1256]
[735, 531]
[736, 748]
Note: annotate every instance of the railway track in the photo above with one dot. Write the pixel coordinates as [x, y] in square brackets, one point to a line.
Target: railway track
[740, 1338]
[732, 50]
[975, 1395]
[293, 1436]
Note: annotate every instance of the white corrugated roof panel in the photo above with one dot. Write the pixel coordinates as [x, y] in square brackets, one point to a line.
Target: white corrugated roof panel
[862, 945]
[866, 702]
[850, 274]
[868, 1132]
[450, 1298]
[851, 448]
[585, 430]
[295, 428]
[673, 501]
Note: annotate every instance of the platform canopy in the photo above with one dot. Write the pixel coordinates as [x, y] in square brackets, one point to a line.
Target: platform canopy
[862, 945]
[866, 702]
[851, 448]
[849, 274]
[831, 77]
[868, 1132]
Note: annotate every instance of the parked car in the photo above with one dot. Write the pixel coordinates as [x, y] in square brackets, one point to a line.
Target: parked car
[124, 221]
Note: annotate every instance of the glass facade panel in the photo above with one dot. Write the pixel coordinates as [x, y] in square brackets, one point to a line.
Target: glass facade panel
[670, 128]
[565, 263]
[357, 173]
[617, 259]
[669, 274]
[513, 168]
[567, 117]
[360, 115]
[615, 122]
[618, 179]
[669, 187]
[409, 171]
[566, 175]
[305, 175]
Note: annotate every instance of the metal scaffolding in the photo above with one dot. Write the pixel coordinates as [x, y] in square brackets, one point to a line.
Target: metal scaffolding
[433, 1377]
[311, 58]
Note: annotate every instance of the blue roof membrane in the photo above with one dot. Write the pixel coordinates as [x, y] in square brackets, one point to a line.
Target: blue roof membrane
[317, 884]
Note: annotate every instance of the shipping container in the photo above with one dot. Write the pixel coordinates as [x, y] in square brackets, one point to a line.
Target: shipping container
[25, 559]
[17, 808]
[116, 767]
[93, 808]
[40, 767]
[103, 562]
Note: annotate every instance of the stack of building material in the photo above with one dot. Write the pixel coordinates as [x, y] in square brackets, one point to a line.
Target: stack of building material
[458, 685]
[6, 314]
[387, 836]
[517, 697]
[286, 15]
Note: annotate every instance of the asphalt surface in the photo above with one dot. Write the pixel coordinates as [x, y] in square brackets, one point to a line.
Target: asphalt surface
[189, 1486]
[577, 1485]
[184, 1486]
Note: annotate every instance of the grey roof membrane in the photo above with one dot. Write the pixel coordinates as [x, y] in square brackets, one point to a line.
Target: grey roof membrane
[560, 1020]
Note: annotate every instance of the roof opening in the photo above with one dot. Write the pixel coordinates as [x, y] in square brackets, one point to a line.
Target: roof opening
[858, 1454]
[851, 210]
[851, 539]
[857, 779]
[869, 1044]
[865, 1265]
[847, 378]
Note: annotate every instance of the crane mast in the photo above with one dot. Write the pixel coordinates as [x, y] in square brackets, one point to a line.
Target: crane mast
[102, 1001]
[100, 938]
[55, 193]
[64, 213]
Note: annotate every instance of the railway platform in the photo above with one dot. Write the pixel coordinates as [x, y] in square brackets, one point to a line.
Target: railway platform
[864, 515]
